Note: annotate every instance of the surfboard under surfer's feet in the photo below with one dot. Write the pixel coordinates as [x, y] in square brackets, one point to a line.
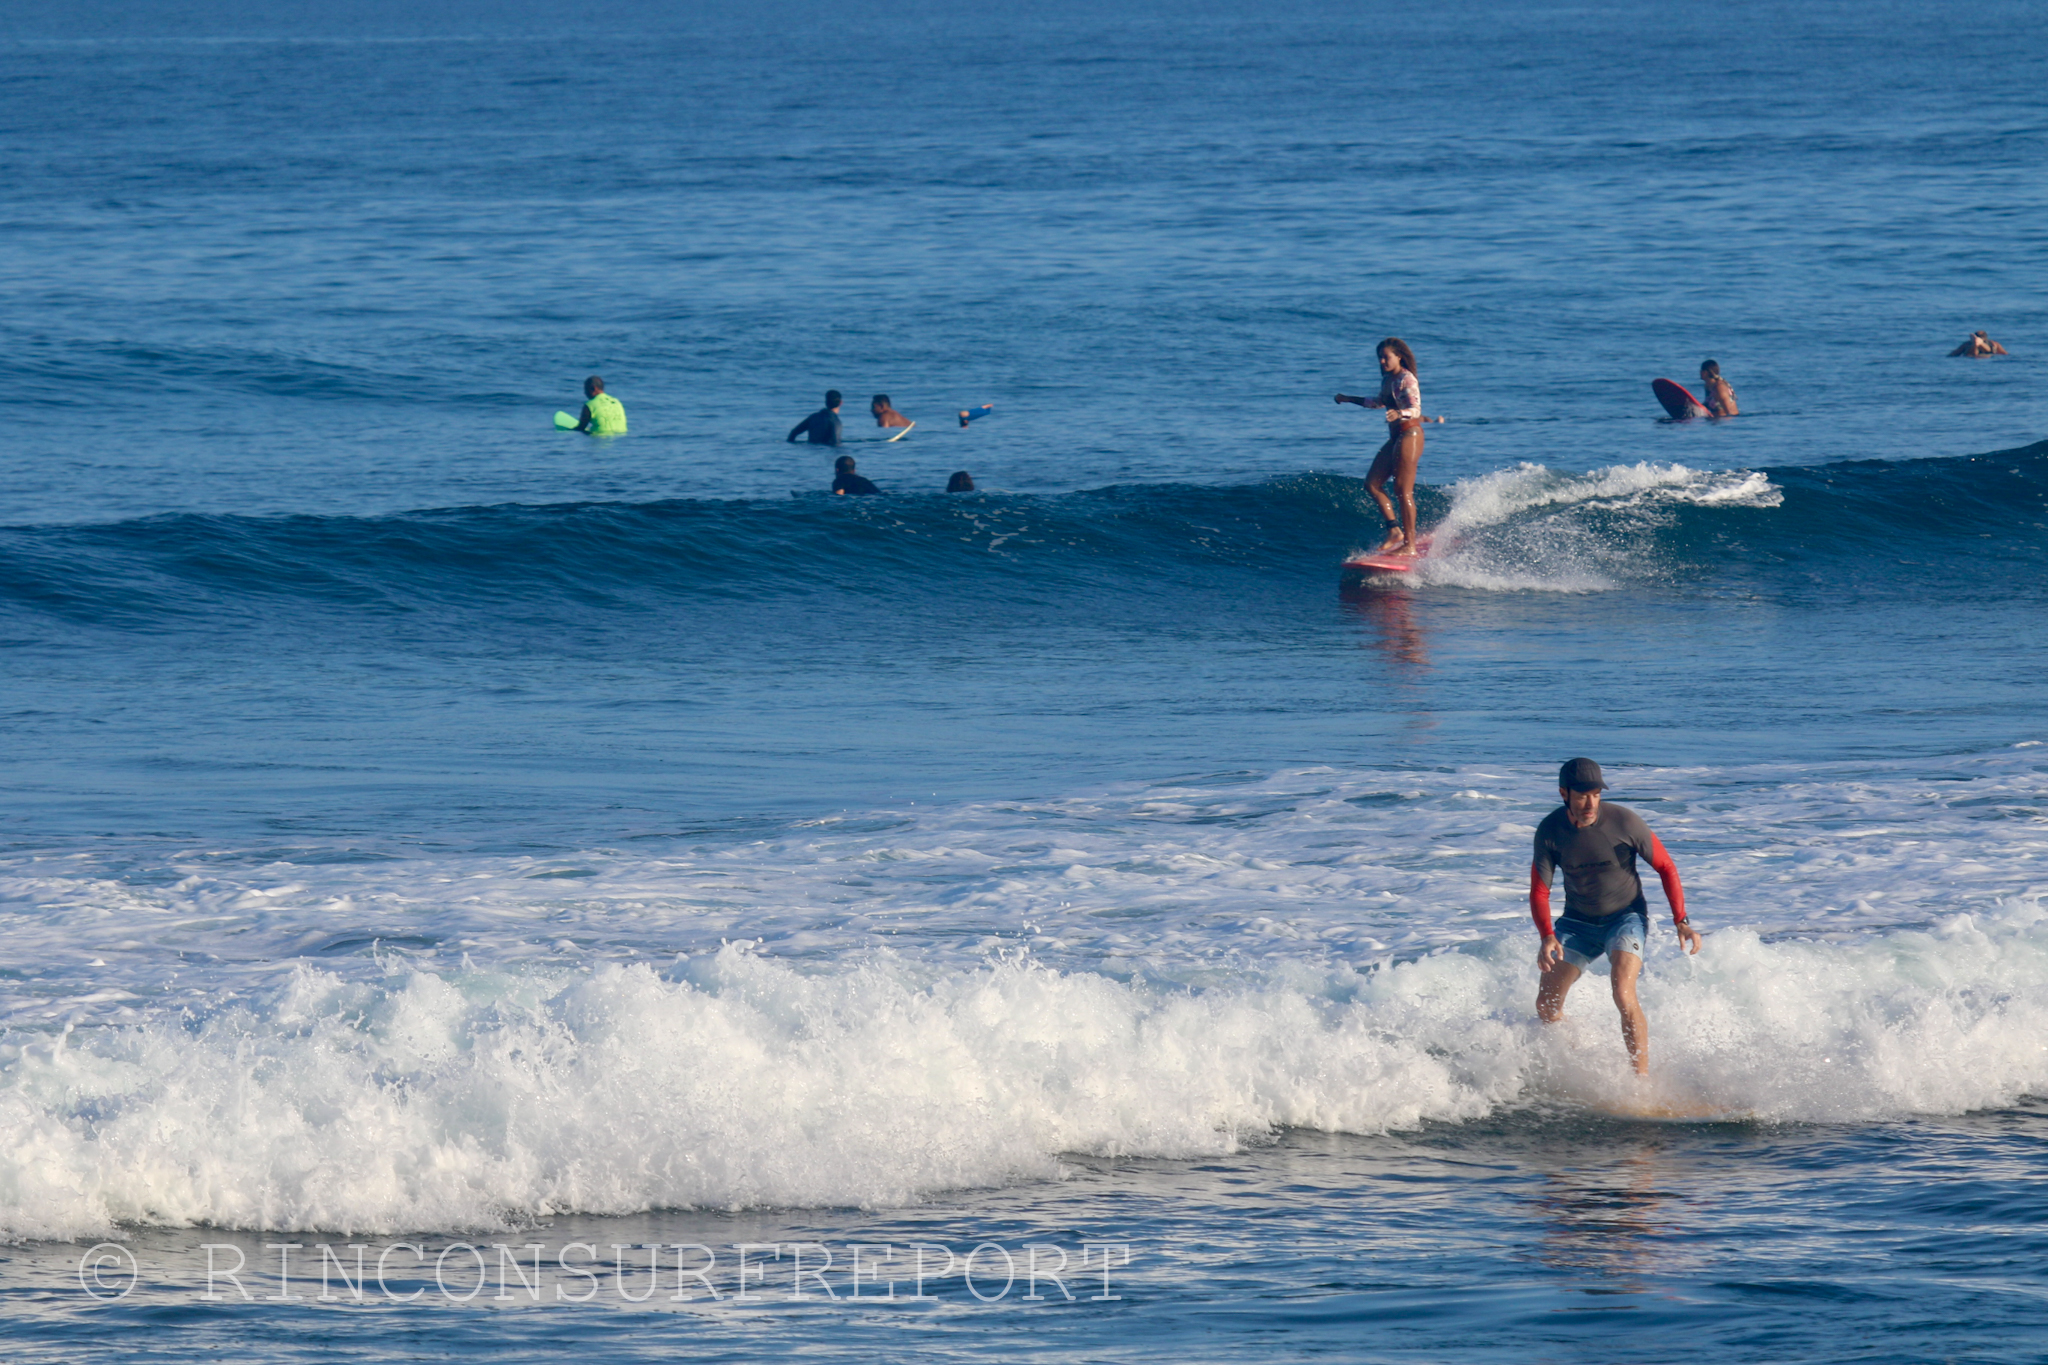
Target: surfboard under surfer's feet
[1401, 559]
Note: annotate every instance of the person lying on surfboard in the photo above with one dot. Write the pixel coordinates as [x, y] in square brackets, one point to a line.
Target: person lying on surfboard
[1979, 346]
[886, 416]
[1598, 845]
[1401, 395]
[603, 415]
[845, 481]
[1720, 398]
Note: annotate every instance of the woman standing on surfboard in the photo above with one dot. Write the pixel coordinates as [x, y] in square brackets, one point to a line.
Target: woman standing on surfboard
[1401, 395]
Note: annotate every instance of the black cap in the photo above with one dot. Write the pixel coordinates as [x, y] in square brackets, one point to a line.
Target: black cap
[1581, 775]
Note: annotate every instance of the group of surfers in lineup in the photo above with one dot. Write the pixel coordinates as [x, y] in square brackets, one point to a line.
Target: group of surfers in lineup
[1398, 459]
[823, 428]
[604, 415]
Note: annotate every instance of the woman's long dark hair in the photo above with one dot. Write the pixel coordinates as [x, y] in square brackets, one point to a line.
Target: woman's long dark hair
[1399, 348]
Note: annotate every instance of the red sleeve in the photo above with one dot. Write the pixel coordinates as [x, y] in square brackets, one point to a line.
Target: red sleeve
[1539, 899]
[1667, 872]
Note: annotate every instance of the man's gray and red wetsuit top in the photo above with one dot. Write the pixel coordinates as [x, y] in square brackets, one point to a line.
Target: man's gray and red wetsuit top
[1599, 863]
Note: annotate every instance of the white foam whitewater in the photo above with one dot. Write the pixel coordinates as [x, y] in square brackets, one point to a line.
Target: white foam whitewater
[867, 1011]
[1529, 528]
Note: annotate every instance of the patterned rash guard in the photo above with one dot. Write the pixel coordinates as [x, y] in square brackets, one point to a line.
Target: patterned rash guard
[1399, 393]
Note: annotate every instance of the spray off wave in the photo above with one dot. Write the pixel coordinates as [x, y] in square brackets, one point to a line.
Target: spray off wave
[1534, 528]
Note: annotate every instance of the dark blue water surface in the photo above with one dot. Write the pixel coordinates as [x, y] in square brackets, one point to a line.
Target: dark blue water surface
[295, 573]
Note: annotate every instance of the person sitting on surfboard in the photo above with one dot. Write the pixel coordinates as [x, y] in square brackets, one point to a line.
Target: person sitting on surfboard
[1720, 398]
[1401, 395]
[1597, 845]
[845, 481]
[1979, 346]
[603, 415]
[822, 427]
[886, 416]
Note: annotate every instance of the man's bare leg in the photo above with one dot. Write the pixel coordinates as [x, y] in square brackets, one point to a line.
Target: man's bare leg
[1557, 979]
[1635, 1027]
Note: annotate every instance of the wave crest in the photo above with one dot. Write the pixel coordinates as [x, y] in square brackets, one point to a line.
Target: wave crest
[483, 1101]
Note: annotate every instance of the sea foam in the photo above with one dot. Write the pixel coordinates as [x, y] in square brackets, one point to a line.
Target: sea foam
[1533, 528]
[481, 1100]
[873, 1010]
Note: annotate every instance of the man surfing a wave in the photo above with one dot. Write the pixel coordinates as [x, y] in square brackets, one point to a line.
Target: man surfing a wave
[1598, 845]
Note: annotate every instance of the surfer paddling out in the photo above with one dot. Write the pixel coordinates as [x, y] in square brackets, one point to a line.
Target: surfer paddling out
[1597, 845]
[1401, 395]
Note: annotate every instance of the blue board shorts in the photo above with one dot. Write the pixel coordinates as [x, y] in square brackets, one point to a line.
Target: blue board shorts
[1584, 940]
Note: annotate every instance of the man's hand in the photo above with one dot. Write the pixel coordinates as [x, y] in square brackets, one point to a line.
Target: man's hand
[1689, 936]
[1552, 952]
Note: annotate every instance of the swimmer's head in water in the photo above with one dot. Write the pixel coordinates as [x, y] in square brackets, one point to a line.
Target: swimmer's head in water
[1710, 369]
[831, 398]
[843, 465]
[878, 402]
[593, 386]
[961, 482]
[1399, 349]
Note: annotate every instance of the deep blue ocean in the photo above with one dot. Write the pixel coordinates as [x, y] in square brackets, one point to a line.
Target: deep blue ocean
[473, 890]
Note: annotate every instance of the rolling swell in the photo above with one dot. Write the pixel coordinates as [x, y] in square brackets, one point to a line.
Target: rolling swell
[1866, 525]
[160, 571]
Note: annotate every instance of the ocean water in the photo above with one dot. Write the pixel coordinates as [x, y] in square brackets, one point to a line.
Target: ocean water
[473, 890]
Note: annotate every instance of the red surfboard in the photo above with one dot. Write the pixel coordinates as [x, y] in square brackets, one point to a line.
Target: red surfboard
[1390, 563]
[1679, 403]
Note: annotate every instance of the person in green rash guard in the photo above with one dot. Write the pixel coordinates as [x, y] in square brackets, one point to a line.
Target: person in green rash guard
[603, 415]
